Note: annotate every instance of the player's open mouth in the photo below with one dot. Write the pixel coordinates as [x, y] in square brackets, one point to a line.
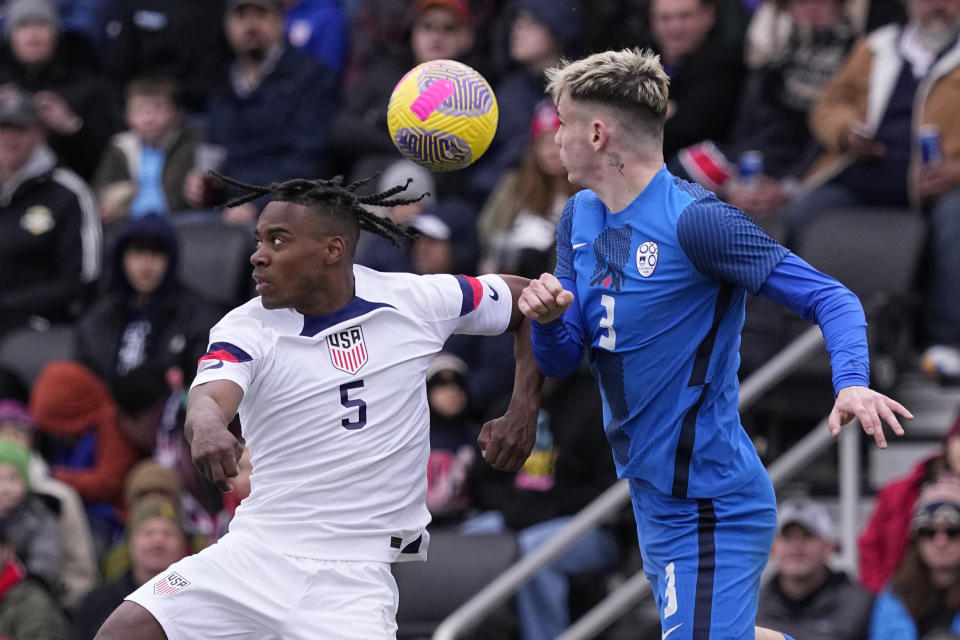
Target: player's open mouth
[261, 283]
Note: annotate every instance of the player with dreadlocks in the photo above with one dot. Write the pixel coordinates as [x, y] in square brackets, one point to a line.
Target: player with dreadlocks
[326, 368]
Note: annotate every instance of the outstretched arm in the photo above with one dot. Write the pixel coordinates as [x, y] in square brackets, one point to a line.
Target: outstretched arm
[506, 442]
[820, 298]
[215, 451]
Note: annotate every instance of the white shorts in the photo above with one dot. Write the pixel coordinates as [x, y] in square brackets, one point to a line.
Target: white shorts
[238, 588]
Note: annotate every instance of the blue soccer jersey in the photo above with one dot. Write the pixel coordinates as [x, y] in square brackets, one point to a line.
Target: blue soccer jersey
[660, 290]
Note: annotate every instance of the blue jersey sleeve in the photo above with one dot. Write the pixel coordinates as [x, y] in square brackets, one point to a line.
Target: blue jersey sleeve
[564, 268]
[558, 345]
[817, 297]
[725, 245]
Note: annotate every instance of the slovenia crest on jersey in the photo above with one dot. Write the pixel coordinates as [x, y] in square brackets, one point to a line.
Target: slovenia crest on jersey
[348, 352]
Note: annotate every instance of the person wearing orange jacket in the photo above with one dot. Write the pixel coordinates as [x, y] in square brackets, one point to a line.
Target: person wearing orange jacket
[89, 452]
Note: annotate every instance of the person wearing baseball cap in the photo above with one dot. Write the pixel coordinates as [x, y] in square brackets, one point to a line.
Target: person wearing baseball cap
[807, 598]
[923, 598]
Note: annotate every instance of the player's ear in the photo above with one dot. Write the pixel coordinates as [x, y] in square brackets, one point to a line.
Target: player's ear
[599, 132]
[333, 249]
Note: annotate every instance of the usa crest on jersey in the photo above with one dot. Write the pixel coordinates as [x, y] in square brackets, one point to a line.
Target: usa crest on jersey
[171, 584]
[348, 352]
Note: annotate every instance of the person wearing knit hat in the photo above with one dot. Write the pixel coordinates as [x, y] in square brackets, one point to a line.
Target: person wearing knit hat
[16, 422]
[885, 538]
[149, 478]
[924, 595]
[74, 407]
[30, 523]
[23, 12]
[155, 539]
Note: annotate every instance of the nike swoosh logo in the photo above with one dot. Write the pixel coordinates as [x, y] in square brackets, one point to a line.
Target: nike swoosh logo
[579, 244]
[494, 295]
[212, 366]
[669, 631]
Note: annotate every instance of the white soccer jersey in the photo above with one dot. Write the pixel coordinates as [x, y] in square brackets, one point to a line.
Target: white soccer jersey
[335, 413]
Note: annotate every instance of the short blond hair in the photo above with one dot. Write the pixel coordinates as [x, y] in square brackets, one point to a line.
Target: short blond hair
[631, 80]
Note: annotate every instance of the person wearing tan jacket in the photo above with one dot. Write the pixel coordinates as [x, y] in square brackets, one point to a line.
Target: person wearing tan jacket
[899, 82]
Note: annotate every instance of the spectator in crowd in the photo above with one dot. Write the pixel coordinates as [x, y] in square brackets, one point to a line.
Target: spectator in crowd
[705, 72]
[273, 114]
[30, 523]
[453, 434]
[869, 118]
[150, 481]
[540, 33]
[520, 217]
[171, 37]
[148, 315]
[924, 596]
[27, 610]
[446, 243]
[71, 97]
[570, 466]
[319, 28]
[143, 170]
[771, 25]
[73, 408]
[806, 598]
[151, 415]
[884, 541]
[773, 115]
[49, 229]
[155, 541]
[78, 569]
[441, 29]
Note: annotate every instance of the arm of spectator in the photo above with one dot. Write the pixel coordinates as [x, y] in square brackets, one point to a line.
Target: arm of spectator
[939, 178]
[842, 103]
[45, 550]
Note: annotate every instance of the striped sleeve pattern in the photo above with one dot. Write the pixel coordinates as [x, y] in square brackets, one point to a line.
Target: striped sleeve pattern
[725, 245]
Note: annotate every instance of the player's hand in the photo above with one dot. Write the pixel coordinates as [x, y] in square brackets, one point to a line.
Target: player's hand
[216, 452]
[871, 408]
[544, 299]
[506, 442]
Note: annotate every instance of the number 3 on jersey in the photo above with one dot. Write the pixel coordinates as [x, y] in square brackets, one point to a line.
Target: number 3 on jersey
[607, 341]
[348, 402]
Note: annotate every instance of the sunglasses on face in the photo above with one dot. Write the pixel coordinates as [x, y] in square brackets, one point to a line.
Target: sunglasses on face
[931, 532]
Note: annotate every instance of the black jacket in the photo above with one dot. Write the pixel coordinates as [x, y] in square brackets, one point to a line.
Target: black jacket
[839, 610]
[50, 242]
[180, 319]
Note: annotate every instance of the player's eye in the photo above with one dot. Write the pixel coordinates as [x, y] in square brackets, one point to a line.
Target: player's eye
[276, 241]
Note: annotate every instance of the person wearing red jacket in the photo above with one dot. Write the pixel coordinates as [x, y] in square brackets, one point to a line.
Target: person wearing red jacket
[884, 540]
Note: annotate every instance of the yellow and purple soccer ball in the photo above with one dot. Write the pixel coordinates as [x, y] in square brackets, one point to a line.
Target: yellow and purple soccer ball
[442, 115]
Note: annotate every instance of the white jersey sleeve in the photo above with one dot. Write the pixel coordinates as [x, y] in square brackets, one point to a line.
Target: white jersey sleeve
[465, 304]
[237, 347]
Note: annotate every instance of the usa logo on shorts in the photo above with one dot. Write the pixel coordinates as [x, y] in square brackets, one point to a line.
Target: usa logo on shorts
[170, 584]
[347, 350]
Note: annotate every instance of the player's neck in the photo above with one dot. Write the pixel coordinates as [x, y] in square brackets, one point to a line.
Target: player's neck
[334, 295]
[621, 181]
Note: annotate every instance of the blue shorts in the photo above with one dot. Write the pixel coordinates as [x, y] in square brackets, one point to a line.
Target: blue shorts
[704, 557]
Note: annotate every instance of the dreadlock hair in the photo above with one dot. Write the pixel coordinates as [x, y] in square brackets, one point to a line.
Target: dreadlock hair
[335, 197]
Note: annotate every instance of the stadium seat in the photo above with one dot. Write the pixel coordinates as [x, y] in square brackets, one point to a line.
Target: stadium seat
[26, 351]
[458, 567]
[874, 252]
[215, 258]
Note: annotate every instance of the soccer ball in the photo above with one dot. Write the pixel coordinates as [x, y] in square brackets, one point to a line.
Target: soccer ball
[442, 115]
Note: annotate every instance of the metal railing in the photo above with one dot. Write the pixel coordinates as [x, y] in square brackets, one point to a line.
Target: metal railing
[617, 496]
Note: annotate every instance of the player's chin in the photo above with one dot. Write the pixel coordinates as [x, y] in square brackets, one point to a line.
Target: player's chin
[271, 302]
